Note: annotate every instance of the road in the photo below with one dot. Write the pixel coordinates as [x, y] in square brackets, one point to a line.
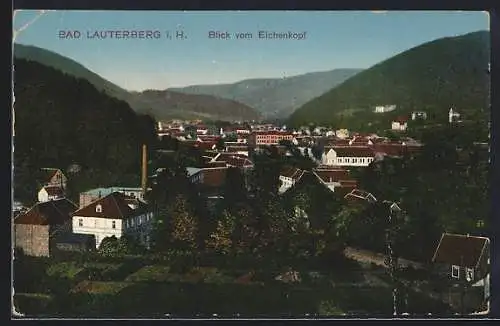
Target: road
[366, 256]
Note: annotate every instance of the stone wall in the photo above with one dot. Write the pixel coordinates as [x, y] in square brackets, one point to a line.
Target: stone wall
[32, 239]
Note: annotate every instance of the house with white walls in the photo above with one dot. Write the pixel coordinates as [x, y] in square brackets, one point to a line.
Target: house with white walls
[348, 156]
[114, 215]
[399, 124]
[50, 193]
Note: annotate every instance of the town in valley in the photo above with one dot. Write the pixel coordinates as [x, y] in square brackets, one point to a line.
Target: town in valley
[207, 203]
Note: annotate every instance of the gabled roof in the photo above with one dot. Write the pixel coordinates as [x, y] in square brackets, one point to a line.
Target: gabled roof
[353, 151]
[214, 177]
[48, 173]
[332, 175]
[114, 206]
[357, 194]
[461, 250]
[232, 159]
[292, 172]
[54, 191]
[54, 212]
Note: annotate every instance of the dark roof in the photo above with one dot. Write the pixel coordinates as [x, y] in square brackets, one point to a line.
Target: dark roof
[460, 250]
[401, 120]
[48, 173]
[354, 151]
[292, 172]
[332, 175]
[358, 194]
[236, 160]
[54, 190]
[54, 212]
[214, 177]
[114, 206]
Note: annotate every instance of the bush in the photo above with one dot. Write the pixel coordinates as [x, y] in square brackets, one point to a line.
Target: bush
[329, 308]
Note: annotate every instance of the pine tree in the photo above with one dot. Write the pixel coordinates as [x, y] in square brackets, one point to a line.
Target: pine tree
[221, 240]
[184, 223]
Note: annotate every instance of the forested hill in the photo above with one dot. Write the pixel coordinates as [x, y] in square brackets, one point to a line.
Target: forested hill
[61, 120]
[276, 97]
[160, 104]
[435, 76]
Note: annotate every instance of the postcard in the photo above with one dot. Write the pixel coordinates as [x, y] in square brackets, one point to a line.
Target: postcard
[259, 164]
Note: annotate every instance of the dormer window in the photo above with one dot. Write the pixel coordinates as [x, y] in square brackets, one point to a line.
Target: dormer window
[98, 209]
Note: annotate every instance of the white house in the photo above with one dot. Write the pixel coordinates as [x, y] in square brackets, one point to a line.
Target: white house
[348, 156]
[50, 193]
[418, 115]
[453, 115]
[288, 178]
[114, 215]
[399, 124]
[385, 108]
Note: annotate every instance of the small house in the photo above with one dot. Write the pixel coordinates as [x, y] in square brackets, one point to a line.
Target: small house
[399, 124]
[36, 230]
[114, 215]
[50, 193]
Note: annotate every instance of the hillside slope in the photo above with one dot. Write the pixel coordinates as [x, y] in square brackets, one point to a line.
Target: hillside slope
[433, 77]
[275, 97]
[61, 120]
[184, 106]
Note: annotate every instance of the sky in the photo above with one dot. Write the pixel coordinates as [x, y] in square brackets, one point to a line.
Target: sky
[337, 39]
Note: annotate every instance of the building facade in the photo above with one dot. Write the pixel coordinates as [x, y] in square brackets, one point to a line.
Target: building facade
[114, 215]
[36, 230]
[50, 193]
[268, 137]
[348, 156]
[88, 197]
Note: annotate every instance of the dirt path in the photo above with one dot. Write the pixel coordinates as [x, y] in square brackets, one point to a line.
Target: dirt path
[366, 256]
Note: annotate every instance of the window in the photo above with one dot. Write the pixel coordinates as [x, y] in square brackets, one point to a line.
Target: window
[80, 222]
[469, 274]
[455, 271]
[98, 209]
[113, 224]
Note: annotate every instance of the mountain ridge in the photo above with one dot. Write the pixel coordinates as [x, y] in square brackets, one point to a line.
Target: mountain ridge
[275, 97]
[185, 105]
[433, 77]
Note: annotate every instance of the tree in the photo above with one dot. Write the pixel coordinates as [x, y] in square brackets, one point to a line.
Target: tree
[109, 246]
[184, 224]
[221, 240]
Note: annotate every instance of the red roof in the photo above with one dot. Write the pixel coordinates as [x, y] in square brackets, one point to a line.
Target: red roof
[273, 132]
[214, 177]
[461, 250]
[54, 212]
[114, 206]
[209, 137]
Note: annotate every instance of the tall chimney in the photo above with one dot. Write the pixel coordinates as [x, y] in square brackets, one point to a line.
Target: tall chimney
[144, 170]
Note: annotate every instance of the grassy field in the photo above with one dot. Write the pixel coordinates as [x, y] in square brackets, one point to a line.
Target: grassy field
[136, 288]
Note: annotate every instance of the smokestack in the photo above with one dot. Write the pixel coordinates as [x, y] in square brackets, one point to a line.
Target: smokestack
[144, 169]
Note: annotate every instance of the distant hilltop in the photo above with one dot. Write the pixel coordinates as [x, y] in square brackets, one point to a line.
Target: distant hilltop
[432, 77]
